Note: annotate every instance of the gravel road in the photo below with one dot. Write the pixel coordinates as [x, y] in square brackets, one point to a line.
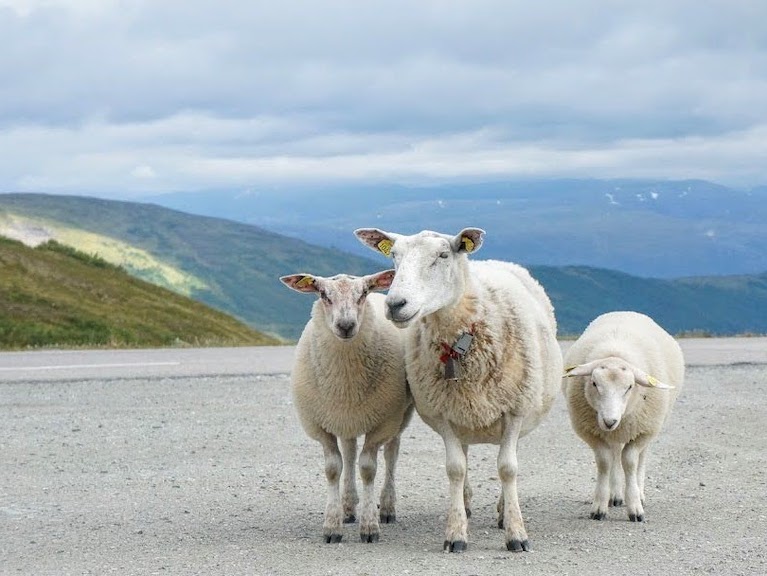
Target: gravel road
[193, 462]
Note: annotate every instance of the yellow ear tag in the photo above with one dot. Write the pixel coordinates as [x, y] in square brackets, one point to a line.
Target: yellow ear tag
[468, 243]
[385, 246]
[304, 282]
[569, 368]
[652, 381]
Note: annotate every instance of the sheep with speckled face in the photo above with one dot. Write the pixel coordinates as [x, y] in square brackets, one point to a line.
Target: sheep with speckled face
[349, 380]
[624, 375]
[493, 389]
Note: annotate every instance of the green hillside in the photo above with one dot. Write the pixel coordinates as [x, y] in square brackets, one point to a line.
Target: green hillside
[53, 295]
[228, 265]
[717, 305]
[235, 267]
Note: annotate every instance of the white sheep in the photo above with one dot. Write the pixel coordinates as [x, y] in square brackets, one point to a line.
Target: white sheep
[349, 380]
[626, 373]
[494, 389]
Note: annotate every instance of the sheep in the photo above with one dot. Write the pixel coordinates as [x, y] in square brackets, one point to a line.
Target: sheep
[348, 380]
[624, 375]
[482, 358]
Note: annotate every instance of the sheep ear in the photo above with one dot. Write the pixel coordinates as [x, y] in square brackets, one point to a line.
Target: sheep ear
[578, 370]
[376, 239]
[468, 240]
[380, 280]
[581, 369]
[300, 282]
[644, 379]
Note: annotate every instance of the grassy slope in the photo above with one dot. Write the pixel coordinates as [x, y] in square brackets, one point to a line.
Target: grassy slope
[52, 296]
[239, 264]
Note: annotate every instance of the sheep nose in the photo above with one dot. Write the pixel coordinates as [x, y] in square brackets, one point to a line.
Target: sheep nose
[346, 328]
[395, 305]
[610, 423]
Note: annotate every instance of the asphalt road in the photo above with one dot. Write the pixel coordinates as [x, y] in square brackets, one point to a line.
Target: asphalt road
[192, 462]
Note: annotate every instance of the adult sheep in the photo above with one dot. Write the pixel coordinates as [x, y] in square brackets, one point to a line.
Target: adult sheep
[624, 376]
[482, 357]
[349, 380]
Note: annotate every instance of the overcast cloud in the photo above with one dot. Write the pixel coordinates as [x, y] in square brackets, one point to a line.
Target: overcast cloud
[120, 98]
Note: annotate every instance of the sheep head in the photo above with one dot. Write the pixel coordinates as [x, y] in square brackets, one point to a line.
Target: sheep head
[610, 388]
[430, 269]
[342, 297]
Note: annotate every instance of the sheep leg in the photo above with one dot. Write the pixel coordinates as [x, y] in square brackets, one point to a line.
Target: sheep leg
[631, 457]
[616, 477]
[603, 455]
[369, 528]
[387, 508]
[516, 535]
[456, 533]
[349, 499]
[467, 491]
[641, 474]
[333, 468]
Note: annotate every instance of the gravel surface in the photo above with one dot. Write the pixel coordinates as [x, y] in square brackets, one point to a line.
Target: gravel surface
[207, 471]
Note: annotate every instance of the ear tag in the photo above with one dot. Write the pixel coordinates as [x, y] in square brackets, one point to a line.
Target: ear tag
[468, 243]
[304, 282]
[452, 369]
[569, 369]
[652, 381]
[384, 246]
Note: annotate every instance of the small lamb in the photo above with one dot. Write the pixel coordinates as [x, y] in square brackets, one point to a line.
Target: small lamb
[349, 380]
[624, 376]
[483, 360]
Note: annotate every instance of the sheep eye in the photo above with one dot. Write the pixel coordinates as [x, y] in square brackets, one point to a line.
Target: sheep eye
[594, 383]
[629, 389]
[444, 254]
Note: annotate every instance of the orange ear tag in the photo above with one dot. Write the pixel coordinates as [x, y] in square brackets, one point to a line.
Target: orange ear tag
[385, 246]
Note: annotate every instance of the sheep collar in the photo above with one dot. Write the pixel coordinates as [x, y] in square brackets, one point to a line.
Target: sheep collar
[452, 354]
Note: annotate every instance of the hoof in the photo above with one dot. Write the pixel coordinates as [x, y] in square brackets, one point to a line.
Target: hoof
[518, 545]
[616, 502]
[388, 518]
[351, 519]
[456, 546]
[369, 538]
[333, 538]
[636, 517]
[598, 515]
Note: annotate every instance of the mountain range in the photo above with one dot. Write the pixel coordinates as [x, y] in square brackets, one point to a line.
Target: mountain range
[235, 267]
[657, 229]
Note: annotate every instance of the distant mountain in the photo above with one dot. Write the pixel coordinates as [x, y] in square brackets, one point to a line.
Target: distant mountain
[235, 267]
[228, 265]
[53, 295]
[664, 229]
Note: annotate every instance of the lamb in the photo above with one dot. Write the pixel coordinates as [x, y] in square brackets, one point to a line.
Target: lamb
[624, 376]
[482, 358]
[349, 380]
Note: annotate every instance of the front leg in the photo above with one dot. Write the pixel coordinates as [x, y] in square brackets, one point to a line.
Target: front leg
[631, 458]
[388, 501]
[350, 499]
[333, 468]
[369, 528]
[456, 533]
[603, 455]
[516, 535]
[616, 477]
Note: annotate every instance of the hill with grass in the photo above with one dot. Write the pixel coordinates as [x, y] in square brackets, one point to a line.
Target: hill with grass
[235, 267]
[54, 295]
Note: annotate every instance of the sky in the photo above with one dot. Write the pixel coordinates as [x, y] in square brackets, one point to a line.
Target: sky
[131, 98]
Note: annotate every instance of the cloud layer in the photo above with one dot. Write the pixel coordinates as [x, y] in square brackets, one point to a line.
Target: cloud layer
[129, 97]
